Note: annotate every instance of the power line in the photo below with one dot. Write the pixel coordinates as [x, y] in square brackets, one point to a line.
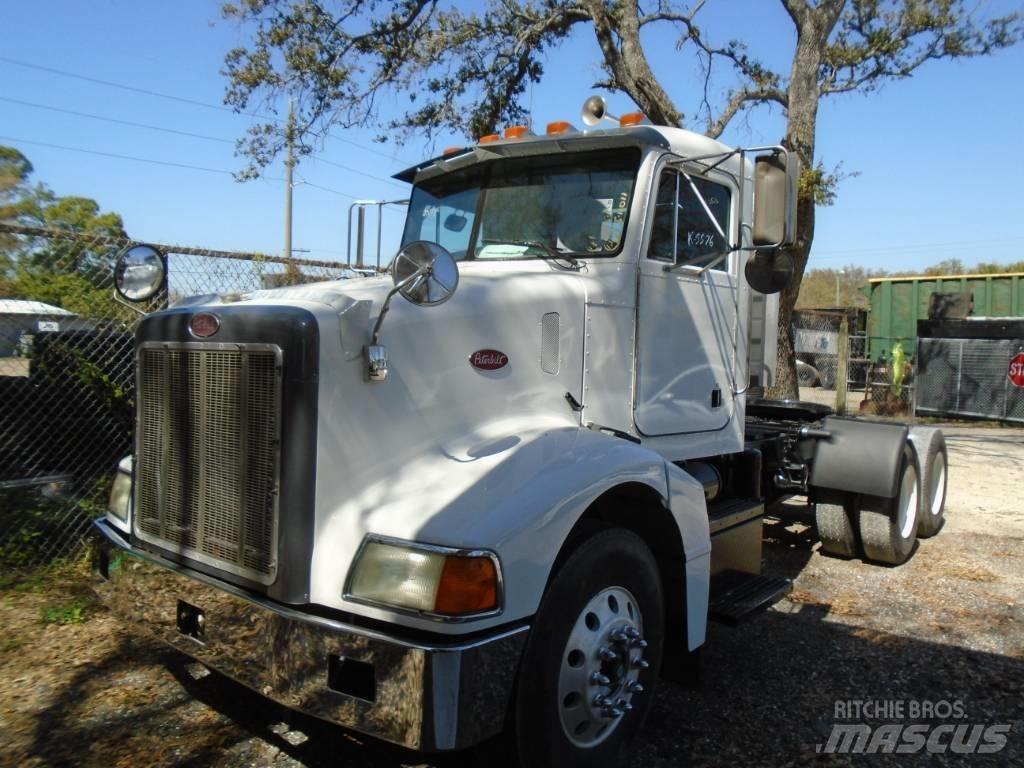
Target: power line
[912, 247]
[151, 161]
[179, 99]
[361, 173]
[191, 134]
[121, 86]
[115, 120]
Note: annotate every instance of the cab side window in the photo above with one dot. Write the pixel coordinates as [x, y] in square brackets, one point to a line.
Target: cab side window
[682, 231]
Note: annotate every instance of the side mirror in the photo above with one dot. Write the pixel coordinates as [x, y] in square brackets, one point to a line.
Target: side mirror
[455, 222]
[775, 187]
[140, 273]
[425, 273]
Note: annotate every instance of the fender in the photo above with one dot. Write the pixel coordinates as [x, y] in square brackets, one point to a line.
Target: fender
[519, 492]
[859, 457]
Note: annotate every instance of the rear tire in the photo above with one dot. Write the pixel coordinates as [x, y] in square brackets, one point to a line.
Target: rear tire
[888, 527]
[608, 587]
[834, 517]
[930, 446]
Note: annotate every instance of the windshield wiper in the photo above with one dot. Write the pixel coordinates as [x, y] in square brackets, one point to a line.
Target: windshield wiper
[548, 251]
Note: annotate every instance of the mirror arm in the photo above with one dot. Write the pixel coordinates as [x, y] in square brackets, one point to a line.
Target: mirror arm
[418, 274]
[123, 303]
[691, 265]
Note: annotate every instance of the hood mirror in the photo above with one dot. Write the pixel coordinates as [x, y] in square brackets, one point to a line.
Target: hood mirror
[426, 275]
[140, 273]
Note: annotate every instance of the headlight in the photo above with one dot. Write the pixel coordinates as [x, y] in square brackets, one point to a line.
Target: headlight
[140, 272]
[121, 492]
[437, 581]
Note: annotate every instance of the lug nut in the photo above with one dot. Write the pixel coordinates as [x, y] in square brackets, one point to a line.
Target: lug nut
[633, 633]
[634, 687]
[614, 712]
[602, 701]
[640, 664]
[624, 705]
[639, 644]
[619, 636]
[598, 679]
[607, 654]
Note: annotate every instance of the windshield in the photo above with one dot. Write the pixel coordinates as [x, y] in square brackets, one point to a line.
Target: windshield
[533, 207]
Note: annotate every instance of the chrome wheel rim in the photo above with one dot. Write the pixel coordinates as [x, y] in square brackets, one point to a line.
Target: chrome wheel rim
[937, 491]
[600, 668]
[907, 505]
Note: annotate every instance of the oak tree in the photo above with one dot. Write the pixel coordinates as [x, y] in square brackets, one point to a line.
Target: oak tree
[463, 70]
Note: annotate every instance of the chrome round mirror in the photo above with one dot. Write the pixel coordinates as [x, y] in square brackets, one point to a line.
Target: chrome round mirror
[425, 273]
[140, 272]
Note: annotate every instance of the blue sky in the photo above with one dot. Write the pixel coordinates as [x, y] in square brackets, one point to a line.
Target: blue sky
[937, 156]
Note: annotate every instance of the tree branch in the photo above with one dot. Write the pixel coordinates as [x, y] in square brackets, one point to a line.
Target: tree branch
[744, 99]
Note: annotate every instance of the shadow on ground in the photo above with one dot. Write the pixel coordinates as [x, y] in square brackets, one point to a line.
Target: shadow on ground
[767, 697]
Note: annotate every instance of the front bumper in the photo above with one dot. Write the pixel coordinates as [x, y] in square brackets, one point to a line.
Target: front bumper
[421, 696]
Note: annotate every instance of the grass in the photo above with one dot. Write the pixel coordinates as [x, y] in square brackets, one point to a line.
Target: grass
[64, 613]
[63, 586]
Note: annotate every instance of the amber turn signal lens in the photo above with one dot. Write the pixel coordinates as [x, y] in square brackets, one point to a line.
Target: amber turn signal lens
[468, 585]
[559, 126]
[516, 131]
[631, 118]
[490, 138]
[452, 151]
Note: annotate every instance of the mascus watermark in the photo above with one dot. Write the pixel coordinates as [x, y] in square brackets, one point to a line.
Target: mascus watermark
[947, 730]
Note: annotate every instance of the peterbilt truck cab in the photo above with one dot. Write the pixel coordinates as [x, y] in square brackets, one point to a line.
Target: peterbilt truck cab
[498, 492]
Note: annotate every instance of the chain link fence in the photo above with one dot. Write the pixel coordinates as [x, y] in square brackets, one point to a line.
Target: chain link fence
[970, 377]
[882, 385]
[66, 372]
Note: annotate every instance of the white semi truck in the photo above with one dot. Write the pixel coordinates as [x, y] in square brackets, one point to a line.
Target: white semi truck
[502, 490]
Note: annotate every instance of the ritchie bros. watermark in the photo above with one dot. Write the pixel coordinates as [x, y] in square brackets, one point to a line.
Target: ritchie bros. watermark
[910, 726]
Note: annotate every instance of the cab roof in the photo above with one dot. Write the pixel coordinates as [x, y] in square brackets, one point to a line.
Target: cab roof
[685, 143]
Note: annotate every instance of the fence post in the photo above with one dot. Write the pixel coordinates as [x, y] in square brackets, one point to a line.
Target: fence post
[842, 364]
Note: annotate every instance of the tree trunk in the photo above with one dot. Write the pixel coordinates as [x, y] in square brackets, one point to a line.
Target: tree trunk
[814, 25]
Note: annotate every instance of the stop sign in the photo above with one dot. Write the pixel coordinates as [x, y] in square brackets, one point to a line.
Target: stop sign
[1016, 372]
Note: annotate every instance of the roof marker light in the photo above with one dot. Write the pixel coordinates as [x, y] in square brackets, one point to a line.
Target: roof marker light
[490, 138]
[449, 151]
[559, 126]
[517, 131]
[632, 118]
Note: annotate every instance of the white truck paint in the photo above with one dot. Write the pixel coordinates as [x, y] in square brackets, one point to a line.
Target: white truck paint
[622, 371]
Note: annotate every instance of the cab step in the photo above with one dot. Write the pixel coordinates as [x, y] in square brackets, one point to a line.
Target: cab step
[739, 596]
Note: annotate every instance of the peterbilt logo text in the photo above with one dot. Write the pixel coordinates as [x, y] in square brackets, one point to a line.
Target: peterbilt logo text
[488, 359]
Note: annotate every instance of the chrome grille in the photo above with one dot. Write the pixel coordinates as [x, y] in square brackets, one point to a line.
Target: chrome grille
[208, 437]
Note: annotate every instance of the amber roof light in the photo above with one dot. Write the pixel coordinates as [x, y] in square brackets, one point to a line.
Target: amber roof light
[559, 126]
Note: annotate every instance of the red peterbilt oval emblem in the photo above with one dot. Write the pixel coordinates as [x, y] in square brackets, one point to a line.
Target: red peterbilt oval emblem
[488, 359]
[203, 325]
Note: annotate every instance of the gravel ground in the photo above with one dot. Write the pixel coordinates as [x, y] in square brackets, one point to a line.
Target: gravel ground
[76, 689]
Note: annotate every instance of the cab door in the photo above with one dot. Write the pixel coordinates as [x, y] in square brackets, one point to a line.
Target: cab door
[687, 315]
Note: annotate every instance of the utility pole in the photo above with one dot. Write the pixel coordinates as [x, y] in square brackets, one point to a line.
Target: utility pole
[838, 273]
[289, 164]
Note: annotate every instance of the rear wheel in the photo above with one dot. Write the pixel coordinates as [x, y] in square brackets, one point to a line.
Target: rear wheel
[930, 446]
[888, 527]
[835, 519]
[587, 674]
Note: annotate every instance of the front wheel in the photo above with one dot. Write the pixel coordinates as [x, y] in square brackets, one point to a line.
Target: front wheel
[587, 675]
